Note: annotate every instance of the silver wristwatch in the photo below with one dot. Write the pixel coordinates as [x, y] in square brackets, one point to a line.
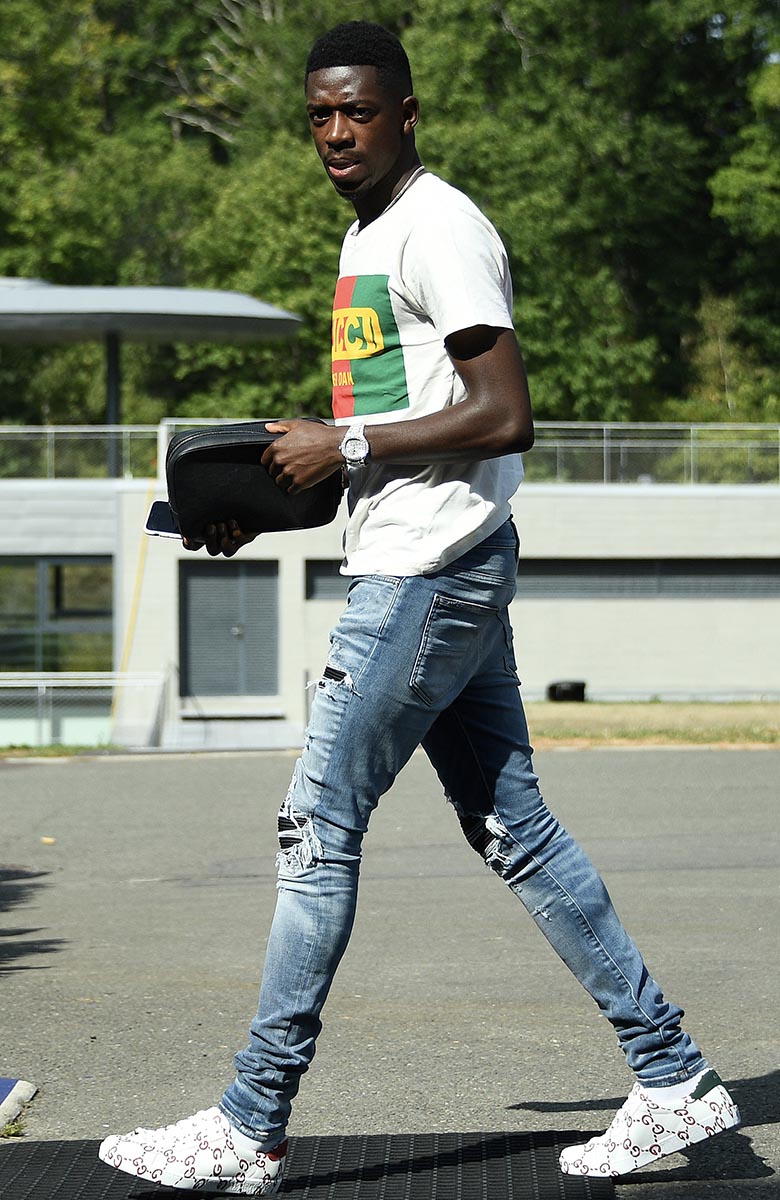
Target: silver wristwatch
[355, 447]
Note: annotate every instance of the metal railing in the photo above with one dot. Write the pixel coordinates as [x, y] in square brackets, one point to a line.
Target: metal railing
[78, 451]
[646, 453]
[80, 709]
[565, 452]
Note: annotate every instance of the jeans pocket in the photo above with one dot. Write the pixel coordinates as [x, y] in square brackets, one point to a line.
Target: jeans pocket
[451, 648]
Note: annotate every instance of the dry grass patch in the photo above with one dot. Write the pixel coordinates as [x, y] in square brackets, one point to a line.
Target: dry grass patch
[654, 724]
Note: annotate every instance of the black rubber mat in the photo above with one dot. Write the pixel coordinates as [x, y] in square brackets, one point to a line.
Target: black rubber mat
[431, 1166]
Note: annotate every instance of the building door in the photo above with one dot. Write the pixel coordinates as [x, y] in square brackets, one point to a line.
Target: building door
[229, 628]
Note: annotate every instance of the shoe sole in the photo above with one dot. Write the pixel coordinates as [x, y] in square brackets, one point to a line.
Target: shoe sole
[204, 1185]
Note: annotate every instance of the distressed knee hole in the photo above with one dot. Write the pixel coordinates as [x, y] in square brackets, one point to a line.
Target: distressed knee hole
[299, 846]
[334, 676]
[487, 834]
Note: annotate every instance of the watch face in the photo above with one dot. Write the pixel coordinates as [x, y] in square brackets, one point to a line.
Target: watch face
[355, 449]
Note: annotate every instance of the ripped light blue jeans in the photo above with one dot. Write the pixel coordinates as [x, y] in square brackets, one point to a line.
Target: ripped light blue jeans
[428, 660]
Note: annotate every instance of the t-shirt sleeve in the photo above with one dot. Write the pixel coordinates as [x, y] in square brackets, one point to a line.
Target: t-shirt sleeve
[456, 272]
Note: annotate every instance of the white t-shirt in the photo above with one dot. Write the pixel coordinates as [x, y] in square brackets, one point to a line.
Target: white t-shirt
[431, 265]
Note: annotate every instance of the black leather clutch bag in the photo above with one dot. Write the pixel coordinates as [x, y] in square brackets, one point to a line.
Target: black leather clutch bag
[214, 474]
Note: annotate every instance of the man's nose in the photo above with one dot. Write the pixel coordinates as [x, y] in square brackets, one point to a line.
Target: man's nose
[339, 130]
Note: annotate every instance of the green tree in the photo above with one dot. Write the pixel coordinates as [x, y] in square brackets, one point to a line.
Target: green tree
[747, 198]
[101, 184]
[165, 142]
[590, 134]
[280, 243]
[728, 380]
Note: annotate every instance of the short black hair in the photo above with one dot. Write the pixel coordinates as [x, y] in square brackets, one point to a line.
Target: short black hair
[363, 44]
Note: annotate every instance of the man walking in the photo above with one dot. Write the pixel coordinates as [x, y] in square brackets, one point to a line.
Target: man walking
[432, 412]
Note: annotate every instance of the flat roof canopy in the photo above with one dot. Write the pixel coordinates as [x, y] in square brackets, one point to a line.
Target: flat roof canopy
[35, 311]
[32, 310]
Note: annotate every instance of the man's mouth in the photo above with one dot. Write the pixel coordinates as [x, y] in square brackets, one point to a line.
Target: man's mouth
[341, 168]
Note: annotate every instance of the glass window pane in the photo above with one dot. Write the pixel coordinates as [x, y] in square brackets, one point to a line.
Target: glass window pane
[17, 593]
[324, 580]
[79, 590]
[77, 652]
[17, 650]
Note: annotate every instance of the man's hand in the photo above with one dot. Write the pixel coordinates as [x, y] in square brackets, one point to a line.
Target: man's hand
[308, 453]
[223, 538]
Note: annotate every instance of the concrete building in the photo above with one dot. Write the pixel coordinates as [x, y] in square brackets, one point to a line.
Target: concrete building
[638, 589]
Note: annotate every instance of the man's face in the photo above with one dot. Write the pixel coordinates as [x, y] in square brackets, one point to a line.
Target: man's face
[361, 129]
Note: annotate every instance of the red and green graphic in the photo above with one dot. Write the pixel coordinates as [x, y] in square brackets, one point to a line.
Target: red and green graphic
[368, 360]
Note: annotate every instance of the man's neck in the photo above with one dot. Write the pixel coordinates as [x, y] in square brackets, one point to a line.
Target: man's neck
[370, 207]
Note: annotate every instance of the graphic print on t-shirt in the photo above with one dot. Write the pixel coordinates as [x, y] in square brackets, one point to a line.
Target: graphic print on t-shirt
[367, 357]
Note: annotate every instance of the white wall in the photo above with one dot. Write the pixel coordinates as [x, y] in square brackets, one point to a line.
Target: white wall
[648, 521]
[57, 516]
[708, 648]
[702, 647]
[646, 649]
[699, 647]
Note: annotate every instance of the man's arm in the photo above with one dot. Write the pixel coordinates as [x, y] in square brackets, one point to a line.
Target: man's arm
[494, 419]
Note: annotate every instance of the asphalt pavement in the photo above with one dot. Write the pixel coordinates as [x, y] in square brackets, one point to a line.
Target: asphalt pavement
[136, 894]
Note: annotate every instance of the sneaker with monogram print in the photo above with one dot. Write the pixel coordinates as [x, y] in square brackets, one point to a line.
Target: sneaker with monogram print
[201, 1153]
[643, 1130]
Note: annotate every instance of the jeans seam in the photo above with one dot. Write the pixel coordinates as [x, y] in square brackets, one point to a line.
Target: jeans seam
[598, 942]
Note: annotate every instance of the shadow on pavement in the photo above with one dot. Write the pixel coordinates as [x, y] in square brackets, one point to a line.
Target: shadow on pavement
[17, 887]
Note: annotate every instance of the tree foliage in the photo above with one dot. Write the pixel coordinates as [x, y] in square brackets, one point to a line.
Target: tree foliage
[628, 153]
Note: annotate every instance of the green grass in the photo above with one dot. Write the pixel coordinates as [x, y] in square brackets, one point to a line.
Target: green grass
[13, 1129]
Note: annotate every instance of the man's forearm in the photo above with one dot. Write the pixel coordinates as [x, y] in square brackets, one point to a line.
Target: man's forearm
[465, 430]
[494, 419]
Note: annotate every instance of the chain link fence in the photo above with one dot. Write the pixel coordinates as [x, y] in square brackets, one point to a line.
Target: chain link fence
[635, 453]
[94, 710]
[78, 451]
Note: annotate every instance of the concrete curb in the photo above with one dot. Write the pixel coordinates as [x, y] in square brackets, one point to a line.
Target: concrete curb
[14, 1094]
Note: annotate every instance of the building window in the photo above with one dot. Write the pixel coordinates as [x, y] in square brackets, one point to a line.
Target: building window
[661, 578]
[607, 578]
[56, 614]
[323, 581]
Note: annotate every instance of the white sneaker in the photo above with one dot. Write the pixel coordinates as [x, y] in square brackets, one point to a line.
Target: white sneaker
[201, 1153]
[642, 1131]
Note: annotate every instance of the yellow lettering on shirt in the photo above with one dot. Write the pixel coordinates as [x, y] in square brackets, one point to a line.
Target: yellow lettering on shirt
[356, 333]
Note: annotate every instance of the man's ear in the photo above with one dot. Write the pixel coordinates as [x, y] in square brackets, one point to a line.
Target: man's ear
[410, 110]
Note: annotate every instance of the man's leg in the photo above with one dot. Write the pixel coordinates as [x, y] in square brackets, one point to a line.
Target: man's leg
[402, 651]
[479, 747]
[359, 735]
